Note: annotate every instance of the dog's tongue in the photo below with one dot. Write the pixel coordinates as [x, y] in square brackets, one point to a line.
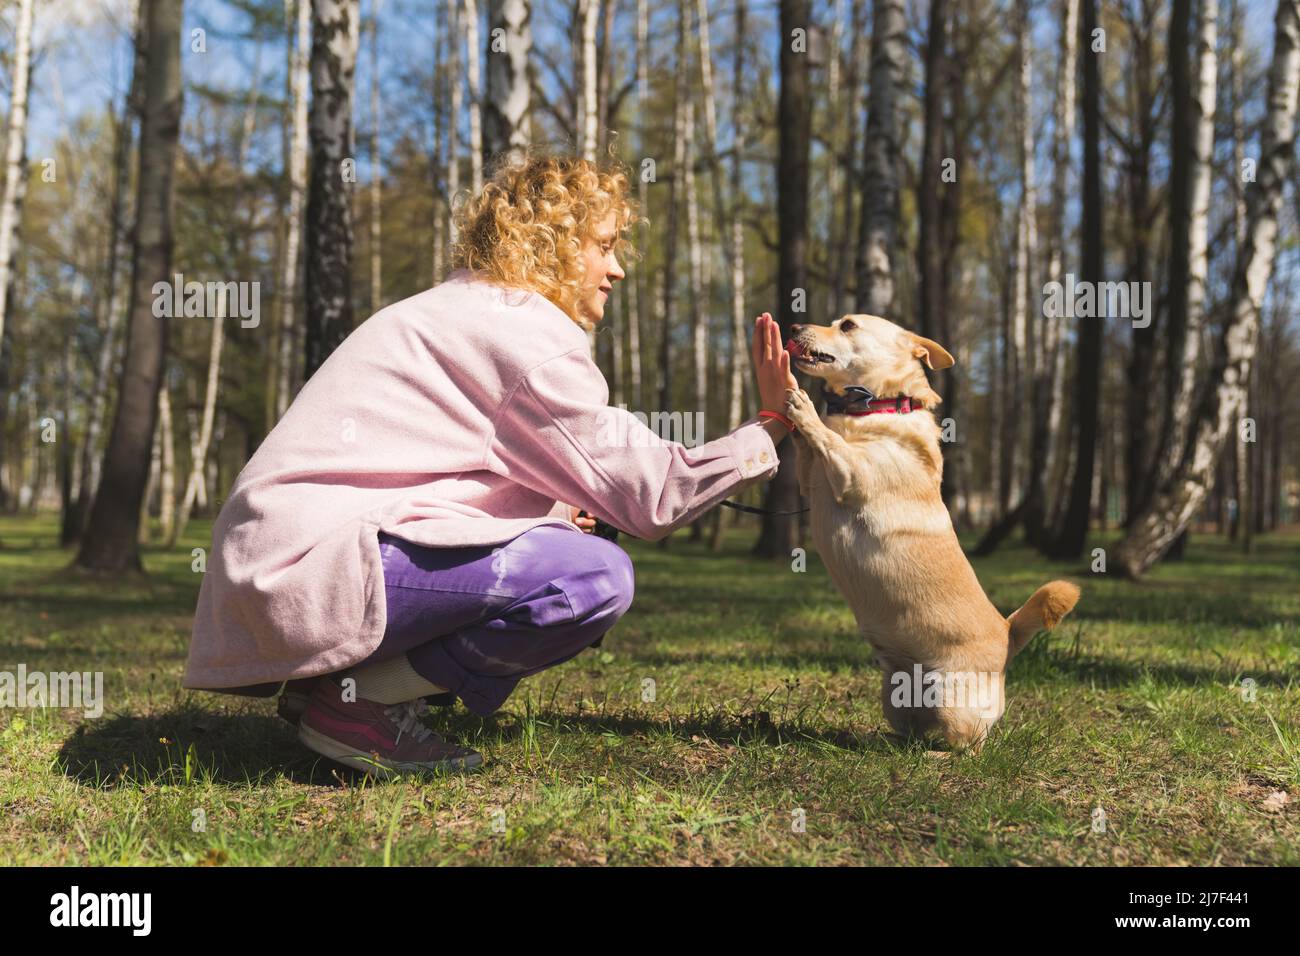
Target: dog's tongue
[794, 348]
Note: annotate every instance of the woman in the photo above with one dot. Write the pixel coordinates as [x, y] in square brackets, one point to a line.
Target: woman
[405, 531]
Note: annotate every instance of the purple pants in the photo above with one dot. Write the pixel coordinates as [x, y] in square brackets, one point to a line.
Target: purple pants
[478, 620]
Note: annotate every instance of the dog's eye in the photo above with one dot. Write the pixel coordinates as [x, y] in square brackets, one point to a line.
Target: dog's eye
[847, 326]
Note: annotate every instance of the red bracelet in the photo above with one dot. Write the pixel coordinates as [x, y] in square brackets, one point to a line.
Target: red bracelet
[764, 413]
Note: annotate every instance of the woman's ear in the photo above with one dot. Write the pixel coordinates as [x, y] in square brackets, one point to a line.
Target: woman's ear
[930, 352]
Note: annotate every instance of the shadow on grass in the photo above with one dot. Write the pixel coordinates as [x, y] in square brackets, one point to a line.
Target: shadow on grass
[189, 745]
[1044, 660]
[192, 745]
[753, 726]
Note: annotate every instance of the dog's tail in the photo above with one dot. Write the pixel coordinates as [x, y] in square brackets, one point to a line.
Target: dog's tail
[1042, 612]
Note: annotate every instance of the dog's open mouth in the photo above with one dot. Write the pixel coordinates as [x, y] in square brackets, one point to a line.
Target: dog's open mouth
[807, 356]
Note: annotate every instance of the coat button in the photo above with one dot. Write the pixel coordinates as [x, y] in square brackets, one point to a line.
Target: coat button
[749, 463]
[763, 457]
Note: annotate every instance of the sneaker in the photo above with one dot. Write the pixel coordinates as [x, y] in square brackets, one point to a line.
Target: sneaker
[294, 697]
[378, 739]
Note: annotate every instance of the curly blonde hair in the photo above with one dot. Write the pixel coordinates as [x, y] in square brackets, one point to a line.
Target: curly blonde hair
[527, 227]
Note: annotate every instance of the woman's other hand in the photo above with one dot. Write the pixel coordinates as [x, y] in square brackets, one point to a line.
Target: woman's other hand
[584, 520]
[771, 364]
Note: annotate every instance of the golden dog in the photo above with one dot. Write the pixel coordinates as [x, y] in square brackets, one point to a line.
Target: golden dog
[871, 470]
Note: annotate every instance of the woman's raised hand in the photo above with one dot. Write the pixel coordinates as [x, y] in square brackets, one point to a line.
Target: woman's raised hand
[771, 364]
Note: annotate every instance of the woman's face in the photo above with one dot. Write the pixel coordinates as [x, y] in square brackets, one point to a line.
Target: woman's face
[603, 270]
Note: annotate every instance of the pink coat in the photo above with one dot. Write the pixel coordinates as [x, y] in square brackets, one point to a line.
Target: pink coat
[461, 416]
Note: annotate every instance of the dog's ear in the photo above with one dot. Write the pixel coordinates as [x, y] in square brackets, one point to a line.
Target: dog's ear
[930, 352]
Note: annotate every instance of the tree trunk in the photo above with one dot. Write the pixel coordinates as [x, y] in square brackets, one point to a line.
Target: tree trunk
[1026, 291]
[1192, 150]
[199, 448]
[1045, 422]
[1073, 534]
[15, 189]
[376, 193]
[878, 225]
[641, 279]
[845, 257]
[118, 231]
[1178, 500]
[15, 153]
[329, 205]
[506, 104]
[474, 77]
[166, 465]
[1143, 360]
[779, 532]
[110, 540]
[453, 116]
[589, 113]
[69, 528]
[929, 264]
[296, 174]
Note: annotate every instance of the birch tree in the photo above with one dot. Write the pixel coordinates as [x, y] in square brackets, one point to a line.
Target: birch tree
[376, 191]
[296, 173]
[453, 116]
[506, 102]
[333, 170]
[739, 324]
[878, 225]
[1049, 383]
[588, 114]
[1073, 532]
[1179, 497]
[195, 484]
[15, 152]
[1189, 247]
[475, 97]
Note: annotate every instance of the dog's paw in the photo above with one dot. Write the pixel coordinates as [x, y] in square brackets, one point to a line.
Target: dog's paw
[800, 409]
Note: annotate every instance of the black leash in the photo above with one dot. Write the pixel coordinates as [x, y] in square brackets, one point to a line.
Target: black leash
[761, 511]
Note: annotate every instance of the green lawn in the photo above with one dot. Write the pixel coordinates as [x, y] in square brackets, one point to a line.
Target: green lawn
[765, 705]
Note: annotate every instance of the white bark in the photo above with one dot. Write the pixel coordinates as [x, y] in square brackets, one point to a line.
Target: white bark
[636, 318]
[739, 326]
[1054, 351]
[1023, 295]
[453, 118]
[1178, 500]
[196, 486]
[589, 10]
[376, 193]
[299, 57]
[1203, 103]
[167, 484]
[508, 93]
[879, 226]
[475, 97]
[15, 152]
[695, 256]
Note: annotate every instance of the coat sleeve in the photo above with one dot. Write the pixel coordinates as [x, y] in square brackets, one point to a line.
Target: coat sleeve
[556, 434]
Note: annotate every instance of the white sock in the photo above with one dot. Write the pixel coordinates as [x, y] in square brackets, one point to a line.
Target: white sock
[393, 681]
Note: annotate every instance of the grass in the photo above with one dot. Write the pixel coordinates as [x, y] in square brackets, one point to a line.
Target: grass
[765, 714]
